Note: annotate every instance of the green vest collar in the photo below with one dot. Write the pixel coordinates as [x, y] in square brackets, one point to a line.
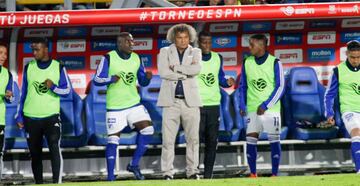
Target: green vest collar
[350, 67]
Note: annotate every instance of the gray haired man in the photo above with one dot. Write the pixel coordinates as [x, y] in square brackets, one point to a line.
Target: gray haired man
[179, 96]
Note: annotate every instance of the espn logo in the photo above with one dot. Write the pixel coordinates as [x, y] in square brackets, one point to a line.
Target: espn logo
[71, 45]
[143, 44]
[229, 58]
[321, 37]
[290, 55]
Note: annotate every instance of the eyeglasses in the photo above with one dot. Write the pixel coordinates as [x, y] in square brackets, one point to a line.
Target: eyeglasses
[353, 44]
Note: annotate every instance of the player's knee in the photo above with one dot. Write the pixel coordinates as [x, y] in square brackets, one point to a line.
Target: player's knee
[113, 139]
[273, 138]
[251, 140]
[149, 130]
[253, 134]
[355, 132]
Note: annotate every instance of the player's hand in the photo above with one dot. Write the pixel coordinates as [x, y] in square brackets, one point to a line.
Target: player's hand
[8, 94]
[148, 74]
[48, 83]
[331, 120]
[20, 125]
[260, 111]
[115, 78]
[242, 113]
[230, 81]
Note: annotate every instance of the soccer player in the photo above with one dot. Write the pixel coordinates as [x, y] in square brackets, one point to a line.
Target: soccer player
[44, 81]
[261, 87]
[6, 94]
[345, 83]
[119, 70]
[210, 79]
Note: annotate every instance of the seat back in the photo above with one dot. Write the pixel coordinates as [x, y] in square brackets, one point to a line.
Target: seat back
[149, 96]
[71, 108]
[95, 108]
[239, 121]
[226, 121]
[305, 96]
[11, 129]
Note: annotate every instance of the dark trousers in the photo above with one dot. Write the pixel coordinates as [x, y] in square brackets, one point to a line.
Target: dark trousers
[49, 127]
[209, 129]
[2, 145]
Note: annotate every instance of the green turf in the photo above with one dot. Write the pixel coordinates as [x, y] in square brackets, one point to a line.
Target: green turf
[321, 180]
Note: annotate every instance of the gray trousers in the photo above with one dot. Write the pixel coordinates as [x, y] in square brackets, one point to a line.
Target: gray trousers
[189, 117]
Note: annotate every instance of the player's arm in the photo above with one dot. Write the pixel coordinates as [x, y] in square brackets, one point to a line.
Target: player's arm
[223, 82]
[9, 93]
[279, 87]
[330, 95]
[102, 73]
[143, 76]
[63, 89]
[243, 90]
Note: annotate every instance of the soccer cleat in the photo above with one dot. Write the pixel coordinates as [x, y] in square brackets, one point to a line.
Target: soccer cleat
[253, 175]
[136, 171]
[273, 175]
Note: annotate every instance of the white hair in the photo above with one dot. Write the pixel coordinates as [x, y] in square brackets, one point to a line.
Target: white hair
[181, 28]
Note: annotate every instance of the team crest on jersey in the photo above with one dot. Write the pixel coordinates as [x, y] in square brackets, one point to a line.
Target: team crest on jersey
[209, 79]
[128, 78]
[356, 88]
[40, 88]
[259, 84]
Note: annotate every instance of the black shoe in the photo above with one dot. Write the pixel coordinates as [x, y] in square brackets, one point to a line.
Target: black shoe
[136, 171]
[194, 177]
[167, 177]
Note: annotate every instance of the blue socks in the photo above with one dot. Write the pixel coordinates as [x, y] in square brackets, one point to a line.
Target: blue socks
[110, 154]
[355, 151]
[142, 142]
[275, 157]
[251, 148]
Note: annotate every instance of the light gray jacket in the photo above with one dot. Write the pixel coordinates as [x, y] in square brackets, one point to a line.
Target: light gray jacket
[187, 72]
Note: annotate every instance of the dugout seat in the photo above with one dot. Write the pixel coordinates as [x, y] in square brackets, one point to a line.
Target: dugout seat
[304, 101]
[15, 138]
[227, 130]
[73, 130]
[149, 97]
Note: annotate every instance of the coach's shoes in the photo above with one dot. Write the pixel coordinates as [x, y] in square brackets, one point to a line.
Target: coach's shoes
[136, 171]
[167, 177]
[253, 175]
[194, 177]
